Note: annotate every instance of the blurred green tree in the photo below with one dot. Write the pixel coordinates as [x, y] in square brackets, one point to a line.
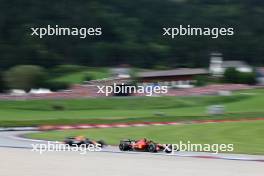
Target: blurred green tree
[25, 77]
[2, 83]
[231, 75]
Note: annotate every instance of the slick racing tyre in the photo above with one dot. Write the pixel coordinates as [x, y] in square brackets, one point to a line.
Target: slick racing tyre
[68, 142]
[152, 148]
[123, 146]
[103, 143]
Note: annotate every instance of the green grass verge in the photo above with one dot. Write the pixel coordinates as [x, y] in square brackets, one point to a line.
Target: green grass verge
[245, 104]
[247, 137]
[109, 120]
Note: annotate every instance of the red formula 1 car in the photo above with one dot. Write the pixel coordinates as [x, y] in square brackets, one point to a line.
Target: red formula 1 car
[81, 140]
[143, 145]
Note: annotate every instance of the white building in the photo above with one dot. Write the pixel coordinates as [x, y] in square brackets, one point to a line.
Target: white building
[260, 75]
[121, 72]
[218, 66]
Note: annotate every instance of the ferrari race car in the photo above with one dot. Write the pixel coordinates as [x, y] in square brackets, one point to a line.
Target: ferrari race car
[143, 145]
[81, 140]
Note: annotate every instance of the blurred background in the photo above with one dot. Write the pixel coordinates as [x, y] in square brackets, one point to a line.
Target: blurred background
[219, 79]
[132, 35]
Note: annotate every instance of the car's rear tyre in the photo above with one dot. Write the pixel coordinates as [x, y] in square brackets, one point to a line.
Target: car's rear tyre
[103, 143]
[68, 142]
[152, 148]
[124, 146]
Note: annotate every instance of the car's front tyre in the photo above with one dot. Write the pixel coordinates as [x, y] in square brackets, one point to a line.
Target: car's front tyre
[152, 148]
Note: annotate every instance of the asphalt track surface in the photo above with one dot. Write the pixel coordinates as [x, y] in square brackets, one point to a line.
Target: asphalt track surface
[17, 158]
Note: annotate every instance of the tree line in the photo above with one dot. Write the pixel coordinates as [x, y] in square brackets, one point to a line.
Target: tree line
[132, 32]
